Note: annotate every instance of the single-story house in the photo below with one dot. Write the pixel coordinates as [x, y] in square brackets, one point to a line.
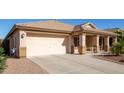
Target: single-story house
[53, 37]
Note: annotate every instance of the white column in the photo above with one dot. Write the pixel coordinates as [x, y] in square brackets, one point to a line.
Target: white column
[107, 46]
[115, 41]
[108, 41]
[82, 43]
[70, 43]
[97, 43]
[82, 39]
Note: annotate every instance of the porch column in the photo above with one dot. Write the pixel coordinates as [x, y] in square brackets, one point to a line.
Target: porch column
[102, 43]
[106, 41]
[70, 44]
[115, 39]
[96, 43]
[82, 43]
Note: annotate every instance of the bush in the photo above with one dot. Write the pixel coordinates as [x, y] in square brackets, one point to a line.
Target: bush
[3, 58]
[117, 48]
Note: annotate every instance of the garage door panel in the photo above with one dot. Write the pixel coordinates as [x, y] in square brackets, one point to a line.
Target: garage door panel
[45, 46]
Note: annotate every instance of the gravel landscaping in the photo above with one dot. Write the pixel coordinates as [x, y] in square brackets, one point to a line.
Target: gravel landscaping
[112, 58]
[22, 66]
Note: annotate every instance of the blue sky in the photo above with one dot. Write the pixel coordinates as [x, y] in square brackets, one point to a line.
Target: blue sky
[6, 24]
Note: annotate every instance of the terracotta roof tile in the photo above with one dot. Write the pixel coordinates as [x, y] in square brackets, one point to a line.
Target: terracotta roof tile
[98, 31]
[50, 24]
[59, 26]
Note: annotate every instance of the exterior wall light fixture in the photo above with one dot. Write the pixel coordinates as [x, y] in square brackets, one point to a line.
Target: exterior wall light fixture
[22, 35]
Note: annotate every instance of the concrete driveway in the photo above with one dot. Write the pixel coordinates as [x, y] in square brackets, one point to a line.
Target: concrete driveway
[77, 64]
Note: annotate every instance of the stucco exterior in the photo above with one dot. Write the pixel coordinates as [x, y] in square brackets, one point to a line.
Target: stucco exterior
[14, 41]
[33, 39]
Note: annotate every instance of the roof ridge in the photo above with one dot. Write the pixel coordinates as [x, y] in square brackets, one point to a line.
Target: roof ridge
[30, 22]
[47, 20]
[85, 23]
[51, 24]
[64, 23]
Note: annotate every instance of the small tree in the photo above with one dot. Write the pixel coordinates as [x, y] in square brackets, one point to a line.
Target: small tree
[116, 49]
[3, 58]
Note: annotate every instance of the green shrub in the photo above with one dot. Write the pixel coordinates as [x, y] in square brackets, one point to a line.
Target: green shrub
[117, 48]
[3, 58]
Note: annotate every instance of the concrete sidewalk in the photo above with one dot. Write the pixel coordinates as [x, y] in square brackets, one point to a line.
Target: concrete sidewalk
[77, 64]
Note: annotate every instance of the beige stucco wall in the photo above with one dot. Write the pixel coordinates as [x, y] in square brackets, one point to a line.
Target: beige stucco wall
[22, 43]
[22, 38]
[14, 42]
[43, 43]
[31, 43]
[95, 40]
[89, 43]
[17, 42]
[46, 44]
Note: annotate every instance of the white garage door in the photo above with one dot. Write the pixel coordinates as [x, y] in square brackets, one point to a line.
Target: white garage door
[37, 46]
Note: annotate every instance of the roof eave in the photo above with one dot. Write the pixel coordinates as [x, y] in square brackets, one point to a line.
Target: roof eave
[100, 32]
[33, 28]
[42, 29]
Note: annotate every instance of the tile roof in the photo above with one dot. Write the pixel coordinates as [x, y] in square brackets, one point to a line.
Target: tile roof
[97, 31]
[55, 26]
[50, 24]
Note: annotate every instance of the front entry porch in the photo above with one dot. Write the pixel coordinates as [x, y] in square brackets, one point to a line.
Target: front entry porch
[84, 43]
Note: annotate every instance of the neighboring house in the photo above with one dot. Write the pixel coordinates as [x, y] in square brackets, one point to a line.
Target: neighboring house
[53, 37]
[116, 30]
